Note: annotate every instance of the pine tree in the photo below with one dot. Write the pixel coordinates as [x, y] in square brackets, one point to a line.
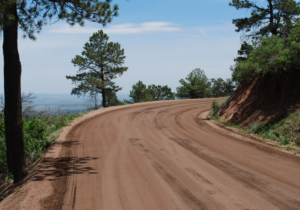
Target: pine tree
[195, 85]
[158, 92]
[138, 92]
[30, 16]
[275, 18]
[221, 88]
[100, 63]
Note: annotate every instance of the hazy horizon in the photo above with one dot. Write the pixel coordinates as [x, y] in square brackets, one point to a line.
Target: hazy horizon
[57, 102]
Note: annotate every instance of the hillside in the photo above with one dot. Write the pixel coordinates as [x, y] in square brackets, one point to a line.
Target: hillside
[266, 99]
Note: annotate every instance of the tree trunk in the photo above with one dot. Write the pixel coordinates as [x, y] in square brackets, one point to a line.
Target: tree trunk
[272, 27]
[14, 136]
[103, 89]
[104, 98]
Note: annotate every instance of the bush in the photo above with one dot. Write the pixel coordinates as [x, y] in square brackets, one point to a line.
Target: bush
[255, 127]
[3, 165]
[274, 54]
[215, 107]
[37, 136]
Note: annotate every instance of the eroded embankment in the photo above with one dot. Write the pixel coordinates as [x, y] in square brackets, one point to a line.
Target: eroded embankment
[263, 99]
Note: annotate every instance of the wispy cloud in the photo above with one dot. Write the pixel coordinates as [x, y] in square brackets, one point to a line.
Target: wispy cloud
[215, 29]
[127, 28]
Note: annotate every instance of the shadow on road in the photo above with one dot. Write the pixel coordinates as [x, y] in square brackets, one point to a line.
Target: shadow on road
[51, 168]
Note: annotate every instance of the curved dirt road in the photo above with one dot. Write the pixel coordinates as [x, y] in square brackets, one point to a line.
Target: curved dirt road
[168, 156]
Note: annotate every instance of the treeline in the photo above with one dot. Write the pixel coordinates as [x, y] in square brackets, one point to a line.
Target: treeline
[195, 85]
[141, 93]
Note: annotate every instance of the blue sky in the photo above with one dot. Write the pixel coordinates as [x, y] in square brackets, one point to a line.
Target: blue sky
[164, 41]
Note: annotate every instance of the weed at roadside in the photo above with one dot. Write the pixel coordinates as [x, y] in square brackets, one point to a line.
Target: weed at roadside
[215, 108]
[255, 127]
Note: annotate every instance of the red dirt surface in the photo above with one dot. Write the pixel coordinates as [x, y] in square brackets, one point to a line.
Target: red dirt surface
[161, 155]
[263, 99]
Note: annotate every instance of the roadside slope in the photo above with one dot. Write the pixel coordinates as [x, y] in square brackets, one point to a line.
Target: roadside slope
[162, 155]
[266, 98]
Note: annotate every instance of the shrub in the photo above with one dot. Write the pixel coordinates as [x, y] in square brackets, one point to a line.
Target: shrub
[37, 136]
[215, 107]
[297, 140]
[255, 127]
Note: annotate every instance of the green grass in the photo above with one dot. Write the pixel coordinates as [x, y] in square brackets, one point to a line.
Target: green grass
[231, 124]
[285, 131]
[255, 127]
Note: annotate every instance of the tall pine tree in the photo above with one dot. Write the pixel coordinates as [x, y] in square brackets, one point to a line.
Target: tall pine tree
[100, 63]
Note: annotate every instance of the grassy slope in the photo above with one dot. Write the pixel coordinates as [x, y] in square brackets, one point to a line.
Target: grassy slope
[284, 133]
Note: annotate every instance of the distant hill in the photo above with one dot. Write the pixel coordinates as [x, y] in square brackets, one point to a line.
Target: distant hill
[64, 102]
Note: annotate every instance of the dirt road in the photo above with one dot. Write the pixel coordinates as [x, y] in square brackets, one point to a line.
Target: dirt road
[163, 156]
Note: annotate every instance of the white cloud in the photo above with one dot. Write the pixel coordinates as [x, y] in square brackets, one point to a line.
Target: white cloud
[127, 28]
[227, 27]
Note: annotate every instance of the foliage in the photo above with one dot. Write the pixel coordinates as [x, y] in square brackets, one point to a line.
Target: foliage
[274, 17]
[37, 136]
[195, 85]
[217, 88]
[141, 93]
[138, 92]
[274, 54]
[100, 63]
[34, 136]
[157, 92]
[125, 102]
[285, 131]
[221, 88]
[274, 29]
[215, 107]
[112, 99]
[32, 15]
[244, 51]
[255, 127]
[3, 163]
